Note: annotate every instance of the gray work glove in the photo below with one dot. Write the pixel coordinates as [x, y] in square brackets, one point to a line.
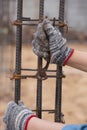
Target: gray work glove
[40, 43]
[16, 116]
[59, 52]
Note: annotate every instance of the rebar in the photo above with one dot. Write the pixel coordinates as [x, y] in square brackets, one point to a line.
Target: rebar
[18, 50]
[39, 81]
[58, 97]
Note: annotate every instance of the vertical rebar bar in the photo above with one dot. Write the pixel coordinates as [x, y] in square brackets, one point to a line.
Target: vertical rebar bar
[18, 49]
[41, 9]
[61, 14]
[58, 98]
[39, 81]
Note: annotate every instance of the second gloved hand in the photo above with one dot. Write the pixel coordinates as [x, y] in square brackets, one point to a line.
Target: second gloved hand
[16, 116]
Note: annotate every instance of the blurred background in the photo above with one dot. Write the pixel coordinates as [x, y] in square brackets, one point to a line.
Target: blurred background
[74, 102]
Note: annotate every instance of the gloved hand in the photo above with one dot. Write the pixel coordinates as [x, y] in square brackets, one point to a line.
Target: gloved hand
[59, 52]
[17, 116]
[40, 43]
[50, 44]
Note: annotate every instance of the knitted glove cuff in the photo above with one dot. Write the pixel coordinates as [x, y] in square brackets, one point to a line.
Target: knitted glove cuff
[61, 57]
[68, 57]
[21, 118]
[27, 121]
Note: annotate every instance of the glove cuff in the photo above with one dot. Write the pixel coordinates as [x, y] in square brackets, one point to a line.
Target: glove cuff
[27, 121]
[68, 57]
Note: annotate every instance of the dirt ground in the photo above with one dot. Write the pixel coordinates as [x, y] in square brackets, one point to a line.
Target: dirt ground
[74, 96]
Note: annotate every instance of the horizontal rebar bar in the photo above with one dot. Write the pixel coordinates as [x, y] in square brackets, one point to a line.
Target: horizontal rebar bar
[34, 76]
[37, 20]
[37, 70]
[47, 110]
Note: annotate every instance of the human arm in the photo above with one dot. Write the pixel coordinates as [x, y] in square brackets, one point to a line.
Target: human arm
[60, 53]
[19, 117]
[39, 124]
[78, 60]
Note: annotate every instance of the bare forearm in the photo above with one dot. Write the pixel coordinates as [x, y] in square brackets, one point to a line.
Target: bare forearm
[78, 60]
[38, 124]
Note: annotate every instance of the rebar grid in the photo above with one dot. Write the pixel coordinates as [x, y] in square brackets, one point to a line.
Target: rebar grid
[18, 69]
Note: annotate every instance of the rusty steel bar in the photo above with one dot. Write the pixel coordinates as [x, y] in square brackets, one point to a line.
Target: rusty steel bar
[44, 77]
[18, 50]
[39, 81]
[25, 69]
[50, 111]
[37, 20]
[58, 98]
